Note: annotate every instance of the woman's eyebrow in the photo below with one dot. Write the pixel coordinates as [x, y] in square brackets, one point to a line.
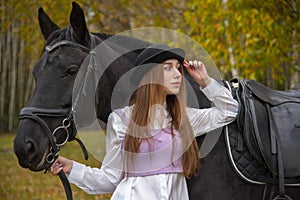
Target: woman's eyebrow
[171, 63]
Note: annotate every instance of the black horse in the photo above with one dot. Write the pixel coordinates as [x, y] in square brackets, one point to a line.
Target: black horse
[48, 114]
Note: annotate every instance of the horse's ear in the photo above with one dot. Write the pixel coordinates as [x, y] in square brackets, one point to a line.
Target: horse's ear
[46, 24]
[78, 24]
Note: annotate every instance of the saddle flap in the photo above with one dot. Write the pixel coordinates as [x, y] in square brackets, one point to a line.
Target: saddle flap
[287, 120]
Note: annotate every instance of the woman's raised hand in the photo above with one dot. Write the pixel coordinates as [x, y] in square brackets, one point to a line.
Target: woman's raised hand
[197, 71]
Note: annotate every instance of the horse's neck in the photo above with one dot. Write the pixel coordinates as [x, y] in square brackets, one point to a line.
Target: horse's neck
[117, 54]
[123, 41]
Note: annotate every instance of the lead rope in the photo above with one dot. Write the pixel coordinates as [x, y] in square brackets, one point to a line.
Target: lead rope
[62, 176]
[66, 184]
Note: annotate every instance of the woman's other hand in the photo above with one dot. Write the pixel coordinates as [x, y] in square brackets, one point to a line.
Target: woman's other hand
[61, 163]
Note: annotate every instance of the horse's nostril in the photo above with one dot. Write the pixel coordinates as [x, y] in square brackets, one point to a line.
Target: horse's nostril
[25, 149]
[29, 147]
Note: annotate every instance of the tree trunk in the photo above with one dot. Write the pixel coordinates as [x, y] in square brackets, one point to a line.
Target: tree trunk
[5, 77]
[295, 54]
[269, 77]
[3, 71]
[13, 78]
[21, 75]
[234, 72]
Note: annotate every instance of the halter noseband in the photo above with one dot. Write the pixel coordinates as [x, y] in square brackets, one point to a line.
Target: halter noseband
[36, 114]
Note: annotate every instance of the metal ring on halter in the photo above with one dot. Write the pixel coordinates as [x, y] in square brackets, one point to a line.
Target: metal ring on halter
[66, 123]
[51, 156]
[67, 135]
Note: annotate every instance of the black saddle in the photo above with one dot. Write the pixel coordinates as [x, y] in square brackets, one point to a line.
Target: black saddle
[271, 96]
[269, 125]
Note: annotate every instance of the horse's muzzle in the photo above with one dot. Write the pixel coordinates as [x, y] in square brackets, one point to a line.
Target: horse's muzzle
[27, 149]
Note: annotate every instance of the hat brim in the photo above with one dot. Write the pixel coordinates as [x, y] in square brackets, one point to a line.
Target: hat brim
[159, 57]
[172, 53]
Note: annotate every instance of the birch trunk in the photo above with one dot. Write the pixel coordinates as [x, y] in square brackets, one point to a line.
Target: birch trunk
[13, 79]
[21, 75]
[5, 77]
[3, 71]
[234, 72]
[295, 54]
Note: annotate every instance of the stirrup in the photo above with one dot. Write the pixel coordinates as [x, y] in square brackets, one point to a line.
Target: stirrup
[282, 197]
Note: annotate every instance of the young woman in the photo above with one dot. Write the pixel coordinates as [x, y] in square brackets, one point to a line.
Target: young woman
[151, 146]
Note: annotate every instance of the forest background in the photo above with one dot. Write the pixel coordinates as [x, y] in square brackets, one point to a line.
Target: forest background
[250, 39]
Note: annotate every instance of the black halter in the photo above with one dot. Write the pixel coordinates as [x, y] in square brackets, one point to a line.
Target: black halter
[36, 114]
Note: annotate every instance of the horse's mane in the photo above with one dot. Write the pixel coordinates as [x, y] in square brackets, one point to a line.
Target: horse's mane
[59, 34]
[124, 40]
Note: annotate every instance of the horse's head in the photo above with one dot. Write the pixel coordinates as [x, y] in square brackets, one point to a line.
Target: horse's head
[46, 121]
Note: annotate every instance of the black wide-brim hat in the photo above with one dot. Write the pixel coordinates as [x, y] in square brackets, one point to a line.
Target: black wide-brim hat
[152, 56]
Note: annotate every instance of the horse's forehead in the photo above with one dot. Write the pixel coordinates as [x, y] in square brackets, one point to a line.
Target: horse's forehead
[59, 58]
[65, 53]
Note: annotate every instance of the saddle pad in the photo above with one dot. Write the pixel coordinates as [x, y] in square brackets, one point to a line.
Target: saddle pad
[243, 162]
[245, 165]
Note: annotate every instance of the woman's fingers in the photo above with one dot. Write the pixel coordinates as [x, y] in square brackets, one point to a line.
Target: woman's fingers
[186, 64]
[198, 72]
[196, 64]
[56, 168]
[61, 163]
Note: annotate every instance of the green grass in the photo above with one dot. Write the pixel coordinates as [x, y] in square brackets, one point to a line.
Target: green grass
[18, 183]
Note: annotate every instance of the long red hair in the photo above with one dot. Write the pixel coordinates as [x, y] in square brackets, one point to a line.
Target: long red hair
[152, 92]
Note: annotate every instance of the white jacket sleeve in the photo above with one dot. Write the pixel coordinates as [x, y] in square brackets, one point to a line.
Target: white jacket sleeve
[105, 179]
[224, 111]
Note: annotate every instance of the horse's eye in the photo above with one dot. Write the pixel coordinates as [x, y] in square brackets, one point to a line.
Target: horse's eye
[72, 71]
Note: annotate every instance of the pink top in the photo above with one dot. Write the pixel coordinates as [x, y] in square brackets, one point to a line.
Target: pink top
[154, 150]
